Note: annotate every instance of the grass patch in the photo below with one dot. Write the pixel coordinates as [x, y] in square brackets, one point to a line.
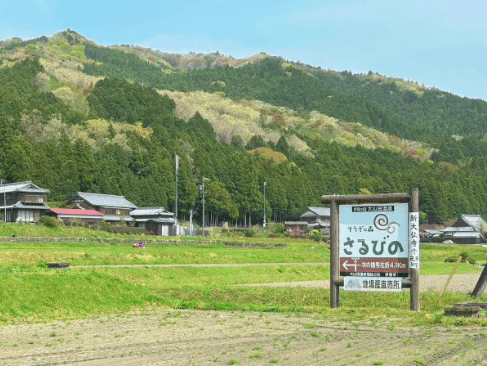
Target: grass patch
[29, 291]
[45, 295]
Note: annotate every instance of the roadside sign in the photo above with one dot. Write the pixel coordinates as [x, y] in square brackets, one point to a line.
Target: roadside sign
[374, 284]
[374, 240]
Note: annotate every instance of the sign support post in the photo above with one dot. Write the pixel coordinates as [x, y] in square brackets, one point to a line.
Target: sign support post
[414, 272]
[369, 253]
[334, 257]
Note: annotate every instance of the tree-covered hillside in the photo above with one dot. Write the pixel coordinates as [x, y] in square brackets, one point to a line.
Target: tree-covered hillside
[78, 117]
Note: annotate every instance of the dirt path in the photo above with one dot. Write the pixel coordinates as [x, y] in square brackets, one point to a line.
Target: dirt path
[198, 265]
[172, 337]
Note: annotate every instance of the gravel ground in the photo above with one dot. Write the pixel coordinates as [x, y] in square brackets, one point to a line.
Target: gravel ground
[461, 283]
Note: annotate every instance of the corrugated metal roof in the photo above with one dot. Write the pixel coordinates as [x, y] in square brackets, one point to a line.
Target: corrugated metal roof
[301, 223]
[148, 211]
[75, 211]
[27, 187]
[106, 200]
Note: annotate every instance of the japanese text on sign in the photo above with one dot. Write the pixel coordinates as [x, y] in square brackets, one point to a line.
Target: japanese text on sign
[414, 240]
[372, 284]
[374, 231]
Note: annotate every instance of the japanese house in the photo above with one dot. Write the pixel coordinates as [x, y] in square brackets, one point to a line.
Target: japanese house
[466, 230]
[318, 218]
[22, 202]
[154, 219]
[70, 216]
[114, 208]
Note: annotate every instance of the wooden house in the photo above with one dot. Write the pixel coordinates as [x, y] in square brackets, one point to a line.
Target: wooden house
[466, 230]
[72, 215]
[155, 219]
[22, 202]
[318, 218]
[114, 208]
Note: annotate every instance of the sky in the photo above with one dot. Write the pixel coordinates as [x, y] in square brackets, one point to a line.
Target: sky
[440, 44]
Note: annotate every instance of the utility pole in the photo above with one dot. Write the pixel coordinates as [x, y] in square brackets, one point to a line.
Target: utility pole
[204, 204]
[265, 183]
[176, 210]
[4, 201]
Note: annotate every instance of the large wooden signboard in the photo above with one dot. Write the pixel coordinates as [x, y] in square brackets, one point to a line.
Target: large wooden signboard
[374, 244]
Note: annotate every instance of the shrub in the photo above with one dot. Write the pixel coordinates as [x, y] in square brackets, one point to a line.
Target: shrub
[49, 221]
[277, 228]
[250, 233]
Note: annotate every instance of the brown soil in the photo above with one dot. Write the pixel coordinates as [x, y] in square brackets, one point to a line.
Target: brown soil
[187, 337]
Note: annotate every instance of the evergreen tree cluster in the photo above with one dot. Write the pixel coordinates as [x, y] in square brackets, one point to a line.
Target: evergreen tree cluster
[144, 172]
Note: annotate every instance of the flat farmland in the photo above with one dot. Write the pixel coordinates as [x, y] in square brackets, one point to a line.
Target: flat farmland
[216, 304]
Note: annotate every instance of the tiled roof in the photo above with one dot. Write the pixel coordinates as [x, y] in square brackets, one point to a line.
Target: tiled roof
[117, 218]
[467, 235]
[150, 211]
[317, 211]
[26, 187]
[106, 200]
[164, 221]
[33, 206]
[458, 229]
[74, 211]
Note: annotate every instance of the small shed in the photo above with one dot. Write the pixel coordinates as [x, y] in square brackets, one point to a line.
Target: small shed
[161, 227]
[298, 228]
[70, 215]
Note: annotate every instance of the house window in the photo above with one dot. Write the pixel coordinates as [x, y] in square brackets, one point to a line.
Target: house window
[25, 215]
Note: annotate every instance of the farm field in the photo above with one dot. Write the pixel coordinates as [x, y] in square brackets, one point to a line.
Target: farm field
[107, 315]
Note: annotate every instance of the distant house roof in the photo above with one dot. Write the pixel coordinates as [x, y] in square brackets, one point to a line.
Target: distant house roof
[75, 212]
[475, 221]
[295, 223]
[160, 221]
[24, 187]
[105, 200]
[467, 226]
[316, 211]
[117, 218]
[467, 235]
[20, 205]
[150, 211]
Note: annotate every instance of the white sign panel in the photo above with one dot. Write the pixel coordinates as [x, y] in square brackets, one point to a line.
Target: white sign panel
[374, 231]
[373, 284]
[414, 240]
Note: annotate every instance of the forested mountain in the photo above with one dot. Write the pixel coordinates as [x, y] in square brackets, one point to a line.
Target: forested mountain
[75, 116]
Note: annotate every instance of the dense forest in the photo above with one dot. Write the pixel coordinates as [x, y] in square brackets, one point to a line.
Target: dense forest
[110, 131]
